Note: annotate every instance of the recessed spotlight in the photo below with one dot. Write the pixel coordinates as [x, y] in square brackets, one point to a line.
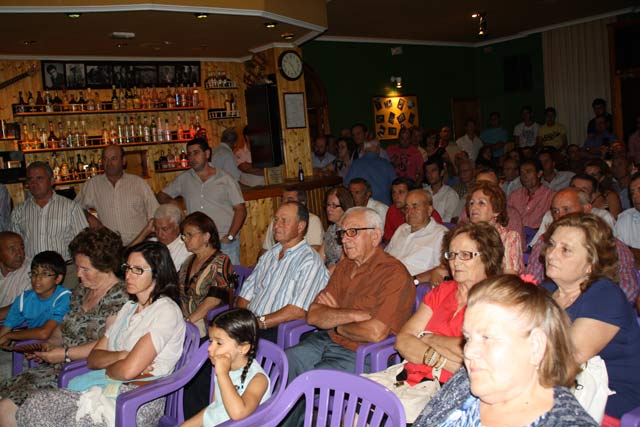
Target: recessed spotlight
[73, 15]
[475, 15]
[121, 45]
[28, 42]
[201, 15]
[270, 24]
[287, 36]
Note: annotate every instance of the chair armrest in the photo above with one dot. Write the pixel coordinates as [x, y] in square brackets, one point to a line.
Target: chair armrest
[368, 350]
[72, 370]
[381, 356]
[293, 333]
[631, 418]
[18, 358]
[284, 331]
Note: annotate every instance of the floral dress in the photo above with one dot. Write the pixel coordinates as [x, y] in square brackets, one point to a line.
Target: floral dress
[332, 250]
[78, 327]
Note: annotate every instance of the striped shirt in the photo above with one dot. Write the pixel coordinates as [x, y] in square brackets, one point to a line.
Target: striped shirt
[125, 207]
[295, 279]
[50, 228]
[14, 283]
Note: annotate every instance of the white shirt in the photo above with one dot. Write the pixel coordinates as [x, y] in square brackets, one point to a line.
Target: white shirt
[526, 134]
[178, 252]
[510, 186]
[628, 227]
[380, 208]
[418, 251]
[14, 283]
[313, 237]
[222, 157]
[561, 180]
[547, 219]
[445, 201]
[470, 146]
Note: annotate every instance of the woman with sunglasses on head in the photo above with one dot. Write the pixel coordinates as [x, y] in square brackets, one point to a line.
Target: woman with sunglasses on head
[431, 341]
[145, 341]
[205, 276]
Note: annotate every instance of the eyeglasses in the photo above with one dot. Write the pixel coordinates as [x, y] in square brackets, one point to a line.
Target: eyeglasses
[35, 274]
[185, 236]
[333, 206]
[350, 232]
[462, 255]
[135, 270]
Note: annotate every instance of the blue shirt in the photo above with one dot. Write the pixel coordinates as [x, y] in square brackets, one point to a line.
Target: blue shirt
[492, 136]
[605, 301]
[595, 141]
[377, 171]
[324, 162]
[295, 279]
[28, 307]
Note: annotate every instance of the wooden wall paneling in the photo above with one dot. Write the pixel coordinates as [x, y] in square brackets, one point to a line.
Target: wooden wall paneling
[259, 214]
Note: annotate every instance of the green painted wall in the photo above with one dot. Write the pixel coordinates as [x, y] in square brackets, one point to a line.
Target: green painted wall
[353, 73]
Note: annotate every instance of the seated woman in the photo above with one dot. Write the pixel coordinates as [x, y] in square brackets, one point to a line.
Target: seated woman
[338, 201]
[518, 361]
[431, 341]
[604, 197]
[487, 202]
[204, 277]
[145, 340]
[93, 307]
[346, 151]
[43, 307]
[581, 262]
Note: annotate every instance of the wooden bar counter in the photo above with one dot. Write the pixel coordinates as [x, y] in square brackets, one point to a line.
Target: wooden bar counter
[262, 203]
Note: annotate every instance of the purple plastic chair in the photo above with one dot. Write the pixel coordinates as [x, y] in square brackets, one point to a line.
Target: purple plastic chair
[529, 234]
[128, 403]
[17, 359]
[334, 399]
[631, 418]
[449, 225]
[242, 272]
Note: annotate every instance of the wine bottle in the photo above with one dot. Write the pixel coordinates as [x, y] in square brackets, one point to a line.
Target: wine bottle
[52, 141]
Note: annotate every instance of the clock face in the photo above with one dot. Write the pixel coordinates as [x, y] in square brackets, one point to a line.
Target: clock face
[290, 65]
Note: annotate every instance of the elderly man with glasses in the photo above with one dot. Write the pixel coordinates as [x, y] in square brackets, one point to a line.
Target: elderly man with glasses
[369, 295]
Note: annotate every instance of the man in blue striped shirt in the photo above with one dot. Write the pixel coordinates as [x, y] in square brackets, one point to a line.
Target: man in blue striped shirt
[288, 277]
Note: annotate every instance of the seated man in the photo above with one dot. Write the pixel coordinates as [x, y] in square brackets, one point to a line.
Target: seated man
[445, 199]
[288, 277]
[321, 159]
[369, 296]
[628, 225]
[314, 233]
[417, 243]
[360, 190]
[42, 308]
[400, 187]
[571, 200]
[533, 199]
[14, 270]
[165, 225]
[552, 177]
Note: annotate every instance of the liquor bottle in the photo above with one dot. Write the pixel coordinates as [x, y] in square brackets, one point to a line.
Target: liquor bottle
[73, 103]
[125, 128]
[69, 135]
[227, 105]
[178, 98]
[65, 101]
[146, 131]
[21, 103]
[52, 141]
[64, 169]
[155, 100]
[171, 161]
[85, 167]
[170, 99]
[43, 138]
[48, 102]
[137, 101]
[176, 158]
[76, 135]
[61, 140]
[300, 172]
[80, 168]
[40, 106]
[132, 130]
[55, 167]
[98, 102]
[154, 130]
[34, 134]
[93, 168]
[232, 100]
[128, 96]
[73, 173]
[105, 133]
[82, 103]
[115, 104]
[180, 132]
[113, 133]
[164, 164]
[91, 104]
[31, 102]
[167, 130]
[159, 130]
[85, 136]
[57, 102]
[184, 162]
[120, 131]
[195, 96]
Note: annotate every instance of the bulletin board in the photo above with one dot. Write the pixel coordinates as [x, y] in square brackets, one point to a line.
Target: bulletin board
[392, 113]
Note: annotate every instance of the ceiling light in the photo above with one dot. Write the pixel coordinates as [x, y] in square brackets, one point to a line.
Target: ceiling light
[270, 24]
[121, 45]
[201, 15]
[287, 36]
[397, 80]
[28, 42]
[475, 15]
[482, 23]
[74, 15]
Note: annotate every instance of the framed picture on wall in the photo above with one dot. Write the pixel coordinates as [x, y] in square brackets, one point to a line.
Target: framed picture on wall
[99, 75]
[53, 75]
[395, 112]
[294, 112]
[75, 74]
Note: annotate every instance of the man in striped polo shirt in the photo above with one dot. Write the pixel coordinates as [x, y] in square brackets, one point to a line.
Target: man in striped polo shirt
[288, 277]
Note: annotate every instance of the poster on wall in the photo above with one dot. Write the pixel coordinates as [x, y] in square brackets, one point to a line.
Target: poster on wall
[392, 113]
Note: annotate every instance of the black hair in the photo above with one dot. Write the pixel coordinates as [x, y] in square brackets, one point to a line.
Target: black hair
[42, 165]
[586, 177]
[526, 108]
[535, 162]
[435, 160]
[242, 326]
[364, 128]
[550, 110]
[202, 143]
[634, 177]
[302, 213]
[363, 181]
[599, 101]
[302, 194]
[204, 223]
[51, 260]
[163, 270]
[411, 184]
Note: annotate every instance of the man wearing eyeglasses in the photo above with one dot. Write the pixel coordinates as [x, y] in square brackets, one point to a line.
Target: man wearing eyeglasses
[369, 296]
[287, 277]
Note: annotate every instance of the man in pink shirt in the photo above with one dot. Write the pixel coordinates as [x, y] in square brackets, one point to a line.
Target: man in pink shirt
[533, 200]
[406, 158]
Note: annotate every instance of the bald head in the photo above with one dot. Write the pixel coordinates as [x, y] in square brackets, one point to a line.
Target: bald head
[569, 200]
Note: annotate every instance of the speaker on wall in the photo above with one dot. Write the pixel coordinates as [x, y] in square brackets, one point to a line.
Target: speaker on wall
[263, 129]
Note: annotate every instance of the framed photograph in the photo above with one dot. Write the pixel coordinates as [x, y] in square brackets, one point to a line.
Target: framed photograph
[123, 76]
[187, 74]
[53, 75]
[166, 75]
[99, 75]
[75, 75]
[399, 112]
[294, 111]
[145, 75]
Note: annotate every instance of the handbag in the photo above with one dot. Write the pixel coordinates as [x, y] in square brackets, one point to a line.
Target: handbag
[413, 399]
[592, 387]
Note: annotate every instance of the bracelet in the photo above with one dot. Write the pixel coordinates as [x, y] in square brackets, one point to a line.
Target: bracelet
[443, 361]
[424, 356]
[434, 358]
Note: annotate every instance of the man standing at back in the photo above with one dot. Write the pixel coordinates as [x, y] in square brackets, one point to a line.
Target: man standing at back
[124, 202]
[377, 171]
[222, 157]
[212, 191]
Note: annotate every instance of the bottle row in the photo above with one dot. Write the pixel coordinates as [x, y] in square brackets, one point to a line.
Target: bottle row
[171, 161]
[121, 99]
[68, 170]
[132, 129]
[219, 80]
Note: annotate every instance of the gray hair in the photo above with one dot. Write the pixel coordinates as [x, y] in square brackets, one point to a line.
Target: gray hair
[371, 216]
[169, 210]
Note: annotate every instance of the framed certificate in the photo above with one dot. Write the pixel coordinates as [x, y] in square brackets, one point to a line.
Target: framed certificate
[294, 112]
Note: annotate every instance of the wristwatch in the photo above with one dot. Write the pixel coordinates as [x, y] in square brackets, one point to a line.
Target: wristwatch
[416, 281]
[67, 359]
[262, 322]
[230, 237]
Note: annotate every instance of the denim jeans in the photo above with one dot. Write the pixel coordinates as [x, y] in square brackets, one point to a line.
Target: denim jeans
[232, 250]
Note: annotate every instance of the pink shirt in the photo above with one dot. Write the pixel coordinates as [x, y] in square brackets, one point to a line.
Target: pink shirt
[531, 207]
[406, 161]
[512, 260]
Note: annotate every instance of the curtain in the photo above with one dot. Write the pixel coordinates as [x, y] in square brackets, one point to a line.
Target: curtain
[576, 71]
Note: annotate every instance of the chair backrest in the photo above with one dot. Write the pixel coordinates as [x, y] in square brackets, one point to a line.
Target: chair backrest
[421, 290]
[242, 272]
[529, 234]
[334, 398]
